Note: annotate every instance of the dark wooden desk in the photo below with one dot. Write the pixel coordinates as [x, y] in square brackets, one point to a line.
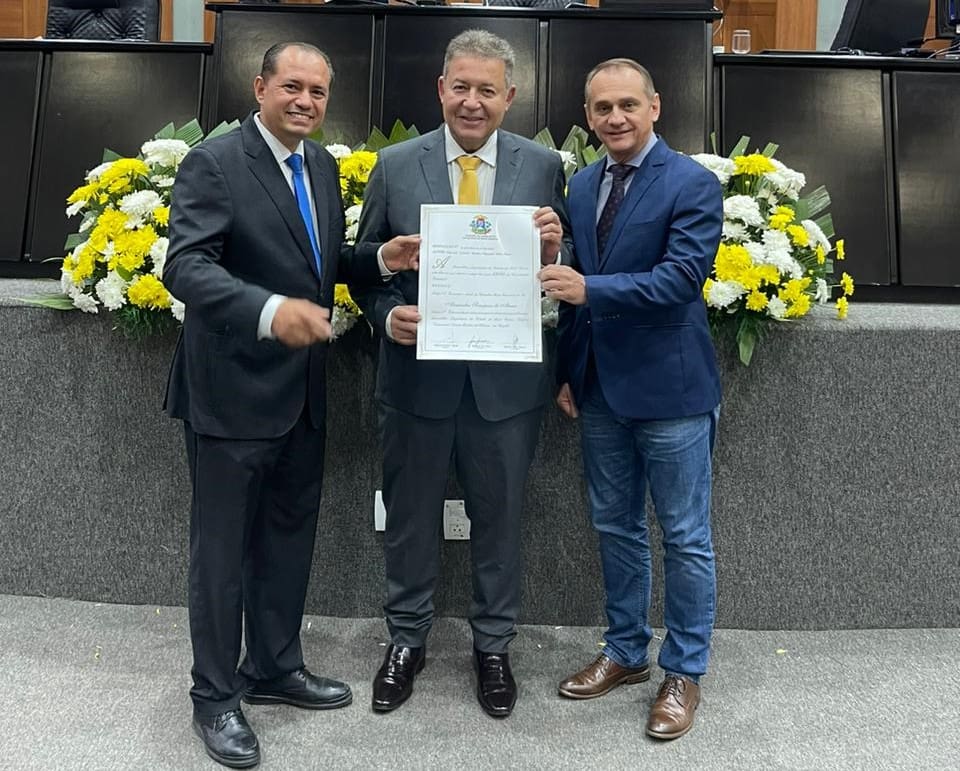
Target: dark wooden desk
[881, 134]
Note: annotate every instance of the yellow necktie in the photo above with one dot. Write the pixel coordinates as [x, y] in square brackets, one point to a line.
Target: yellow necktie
[469, 192]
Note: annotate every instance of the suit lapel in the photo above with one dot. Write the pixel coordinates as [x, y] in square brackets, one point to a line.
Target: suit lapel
[643, 177]
[322, 186]
[509, 163]
[433, 164]
[264, 167]
[586, 215]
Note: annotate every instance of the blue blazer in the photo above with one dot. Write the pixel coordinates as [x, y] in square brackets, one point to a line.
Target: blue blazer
[645, 321]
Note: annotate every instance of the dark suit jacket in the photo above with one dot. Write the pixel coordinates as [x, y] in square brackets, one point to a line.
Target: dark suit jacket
[414, 173]
[236, 237]
[645, 320]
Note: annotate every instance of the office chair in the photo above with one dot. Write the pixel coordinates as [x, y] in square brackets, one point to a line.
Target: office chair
[104, 19]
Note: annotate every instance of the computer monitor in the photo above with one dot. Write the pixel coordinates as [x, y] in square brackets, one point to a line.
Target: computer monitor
[881, 26]
[948, 18]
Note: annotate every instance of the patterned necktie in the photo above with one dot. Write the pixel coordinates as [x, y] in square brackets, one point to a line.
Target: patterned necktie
[620, 172]
[295, 162]
[469, 192]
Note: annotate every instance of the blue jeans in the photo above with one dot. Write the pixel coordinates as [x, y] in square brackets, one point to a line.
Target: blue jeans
[621, 457]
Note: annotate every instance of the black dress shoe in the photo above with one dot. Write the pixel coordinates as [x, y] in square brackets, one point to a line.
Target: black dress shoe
[394, 681]
[496, 688]
[300, 688]
[228, 738]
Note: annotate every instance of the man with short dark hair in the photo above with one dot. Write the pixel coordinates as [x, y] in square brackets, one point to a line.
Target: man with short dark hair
[484, 415]
[256, 227]
[636, 363]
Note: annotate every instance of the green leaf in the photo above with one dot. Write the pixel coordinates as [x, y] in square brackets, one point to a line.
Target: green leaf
[400, 133]
[191, 133]
[812, 204]
[109, 156]
[73, 241]
[740, 148]
[577, 139]
[167, 132]
[746, 341]
[770, 149]
[55, 300]
[825, 223]
[376, 141]
[223, 128]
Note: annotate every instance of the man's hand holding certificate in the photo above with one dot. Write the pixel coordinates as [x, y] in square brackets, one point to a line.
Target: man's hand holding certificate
[479, 294]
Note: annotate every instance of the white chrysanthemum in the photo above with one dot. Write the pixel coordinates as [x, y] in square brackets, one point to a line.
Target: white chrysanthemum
[341, 321]
[822, 292]
[776, 307]
[350, 234]
[162, 180]
[111, 291]
[338, 151]
[158, 253]
[549, 312]
[137, 206]
[89, 220]
[85, 302]
[177, 308]
[787, 181]
[76, 208]
[723, 168]
[568, 159]
[66, 281]
[777, 252]
[164, 152]
[734, 231]
[723, 293]
[352, 213]
[743, 208]
[95, 172]
[817, 236]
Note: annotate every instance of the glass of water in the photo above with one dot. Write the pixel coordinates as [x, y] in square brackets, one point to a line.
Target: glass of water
[741, 41]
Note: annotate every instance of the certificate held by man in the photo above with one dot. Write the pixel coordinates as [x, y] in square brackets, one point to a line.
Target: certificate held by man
[479, 294]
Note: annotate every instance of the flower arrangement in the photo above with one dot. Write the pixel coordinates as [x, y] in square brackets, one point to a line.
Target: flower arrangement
[116, 258]
[774, 262]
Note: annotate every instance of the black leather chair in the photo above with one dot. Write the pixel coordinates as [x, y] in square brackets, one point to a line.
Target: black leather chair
[104, 19]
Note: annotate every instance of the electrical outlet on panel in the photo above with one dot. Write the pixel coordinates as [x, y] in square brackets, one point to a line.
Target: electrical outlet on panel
[456, 525]
[379, 512]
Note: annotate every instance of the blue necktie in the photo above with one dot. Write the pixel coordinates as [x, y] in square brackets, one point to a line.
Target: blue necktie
[619, 172]
[295, 162]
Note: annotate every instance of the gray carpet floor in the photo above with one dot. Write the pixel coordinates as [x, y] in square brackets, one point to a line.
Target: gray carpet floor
[94, 686]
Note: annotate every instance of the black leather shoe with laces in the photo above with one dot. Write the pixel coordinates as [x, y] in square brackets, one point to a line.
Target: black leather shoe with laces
[393, 683]
[300, 688]
[496, 688]
[228, 738]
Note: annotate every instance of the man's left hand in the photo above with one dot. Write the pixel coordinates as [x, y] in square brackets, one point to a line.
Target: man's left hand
[562, 282]
[551, 234]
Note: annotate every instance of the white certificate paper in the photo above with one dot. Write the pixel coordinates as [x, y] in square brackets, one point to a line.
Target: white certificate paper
[479, 294]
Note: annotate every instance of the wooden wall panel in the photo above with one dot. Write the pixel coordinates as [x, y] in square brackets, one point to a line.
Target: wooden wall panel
[773, 24]
[11, 18]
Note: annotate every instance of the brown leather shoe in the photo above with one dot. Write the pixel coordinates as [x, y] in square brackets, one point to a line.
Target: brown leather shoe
[601, 677]
[671, 715]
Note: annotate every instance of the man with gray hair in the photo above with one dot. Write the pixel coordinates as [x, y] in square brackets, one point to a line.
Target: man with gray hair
[483, 415]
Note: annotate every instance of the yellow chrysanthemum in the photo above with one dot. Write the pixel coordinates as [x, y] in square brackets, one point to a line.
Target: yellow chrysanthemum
[842, 307]
[341, 297]
[800, 307]
[83, 193]
[122, 170]
[768, 273]
[732, 261]
[131, 248]
[161, 215]
[149, 292]
[706, 288]
[846, 281]
[841, 255]
[755, 164]
[781, 217]
[821, 255]
[358, 165]
[86, 261]
[756, 301]
[793, 290]
[798, 234]
[110, 224]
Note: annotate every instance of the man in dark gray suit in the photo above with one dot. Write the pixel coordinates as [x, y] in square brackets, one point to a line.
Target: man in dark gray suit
[485, 415]
[256, 227]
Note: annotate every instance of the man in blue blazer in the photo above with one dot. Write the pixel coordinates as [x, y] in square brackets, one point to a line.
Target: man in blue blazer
[637, 364]
[483, 415]
[256, 227]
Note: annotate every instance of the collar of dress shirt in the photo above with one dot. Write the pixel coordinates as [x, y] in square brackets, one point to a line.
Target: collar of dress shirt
[637, 159]
[279, 150]
[487, 153]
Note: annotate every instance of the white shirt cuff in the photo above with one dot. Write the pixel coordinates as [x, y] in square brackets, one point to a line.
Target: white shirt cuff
[385, 273]
[269, 310]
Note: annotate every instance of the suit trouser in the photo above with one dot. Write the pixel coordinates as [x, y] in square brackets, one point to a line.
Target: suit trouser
[252, 529]
[492, 460]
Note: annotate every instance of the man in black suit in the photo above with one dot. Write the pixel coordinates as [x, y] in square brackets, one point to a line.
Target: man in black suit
[483, 414]
[256, 227]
